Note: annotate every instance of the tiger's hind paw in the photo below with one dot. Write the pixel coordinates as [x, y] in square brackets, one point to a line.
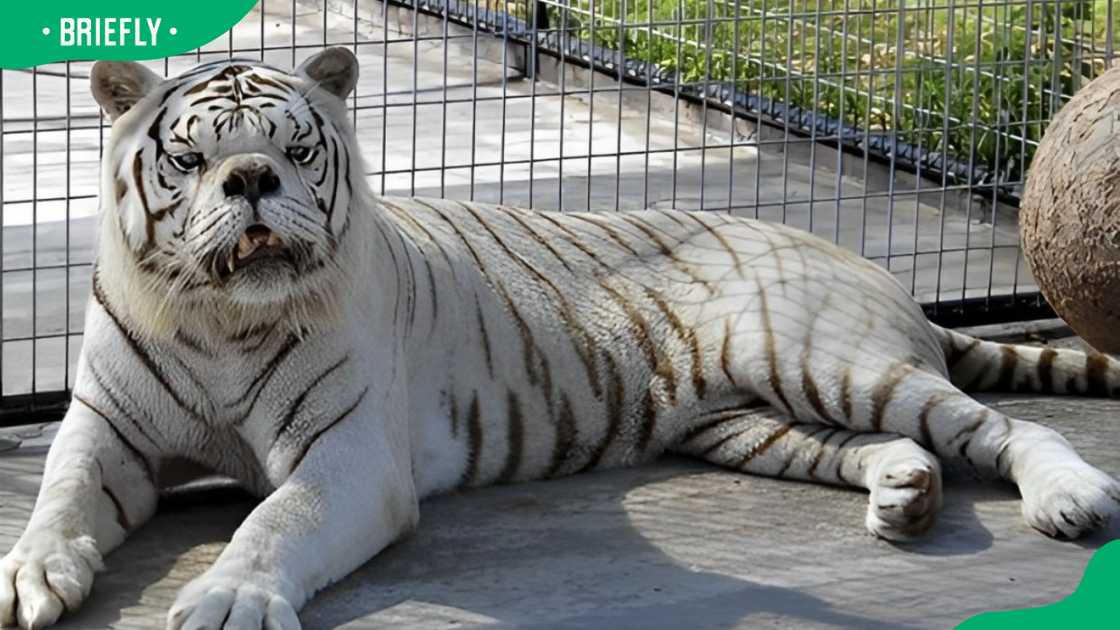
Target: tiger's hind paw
[905, 495]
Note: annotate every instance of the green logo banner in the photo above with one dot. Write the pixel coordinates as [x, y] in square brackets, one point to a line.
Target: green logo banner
[1092, 605]
[46, 31]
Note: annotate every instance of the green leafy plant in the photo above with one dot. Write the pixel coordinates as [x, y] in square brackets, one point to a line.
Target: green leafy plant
[972, 79]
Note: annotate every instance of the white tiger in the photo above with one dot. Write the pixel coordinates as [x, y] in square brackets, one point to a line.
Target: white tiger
[258, 311]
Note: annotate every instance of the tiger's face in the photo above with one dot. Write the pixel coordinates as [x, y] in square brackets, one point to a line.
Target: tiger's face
[231, 182]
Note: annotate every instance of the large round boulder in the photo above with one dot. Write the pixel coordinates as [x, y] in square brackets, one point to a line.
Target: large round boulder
[1070, 213]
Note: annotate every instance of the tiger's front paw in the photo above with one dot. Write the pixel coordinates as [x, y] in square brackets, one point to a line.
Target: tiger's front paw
[1069, 500]
[231, 600]
[44, 575]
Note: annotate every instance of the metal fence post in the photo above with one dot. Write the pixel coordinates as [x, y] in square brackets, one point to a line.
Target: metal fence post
[540, 23]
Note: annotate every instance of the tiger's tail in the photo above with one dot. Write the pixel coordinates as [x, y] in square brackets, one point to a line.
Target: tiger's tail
[976, 365]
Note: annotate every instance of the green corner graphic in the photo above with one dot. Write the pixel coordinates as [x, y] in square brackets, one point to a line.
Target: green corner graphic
[35, 33]
[1090, 606]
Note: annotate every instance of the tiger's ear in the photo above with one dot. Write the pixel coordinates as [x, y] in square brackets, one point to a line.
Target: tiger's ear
[335, 70]
[118, 85]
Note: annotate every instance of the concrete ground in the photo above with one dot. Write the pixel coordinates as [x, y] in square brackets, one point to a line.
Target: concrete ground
[676, 544]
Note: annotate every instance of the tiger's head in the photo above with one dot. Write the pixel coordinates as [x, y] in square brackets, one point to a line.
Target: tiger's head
[228, 188]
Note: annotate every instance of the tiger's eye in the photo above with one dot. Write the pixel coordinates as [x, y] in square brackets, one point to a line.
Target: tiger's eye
[186, 162]
[300, 154]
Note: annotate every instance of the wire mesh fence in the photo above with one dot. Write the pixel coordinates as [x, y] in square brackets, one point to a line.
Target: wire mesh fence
[901, 129]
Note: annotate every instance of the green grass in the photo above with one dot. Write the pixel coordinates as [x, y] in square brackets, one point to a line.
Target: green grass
[959, 62]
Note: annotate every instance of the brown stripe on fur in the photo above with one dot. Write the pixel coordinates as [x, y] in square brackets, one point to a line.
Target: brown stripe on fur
[813, 395]
[141, 194]
[847, 438]
[1009, 358]
[566, 430]
[738, 408]
[883, 392]
[765, 444]
[720, 442]
[923, 418]
[662, 247]
[840, 458]
[572, 238]
[121, 189]
[769, 345]
[398, 275]
[846, 393]
[725, 353]
[794, 452]
[121, 437]
[695, 216]
[649, 422]
[543, 242]
[474, 442]
[453, 414]
[658, 362]
[1096, 374]
[432, 297]
[616, 398]
[249, 332]
[822, 446]
[809, 385]
[327, 427]
[404, 215]
[411, 291]
[1045, 369]
[485, 338]
[528, 344]
[579, 336]
[265, 81]
[191, 343]
[200, 87]
[515, 434]
[969, 430]
[261, 380]
[546, 387]
[118, 400]
[688, 336]
[703, 428]
[122, 518]
[610, 232]
[584, 347]
[138, 350]
[665, 250]
[959, 354]
[297, 403]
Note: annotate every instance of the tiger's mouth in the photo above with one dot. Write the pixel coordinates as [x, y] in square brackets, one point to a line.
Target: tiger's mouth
[256, 246]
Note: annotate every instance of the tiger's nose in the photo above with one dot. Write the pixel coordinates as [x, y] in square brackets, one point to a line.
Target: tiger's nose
[251, 181]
